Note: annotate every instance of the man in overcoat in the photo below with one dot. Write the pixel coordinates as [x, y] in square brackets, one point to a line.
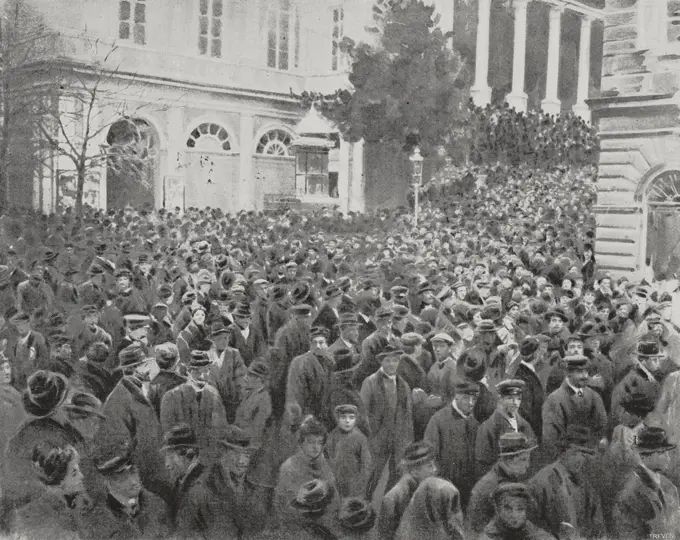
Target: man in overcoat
[533, 395]
[387, 399]
[452, 432]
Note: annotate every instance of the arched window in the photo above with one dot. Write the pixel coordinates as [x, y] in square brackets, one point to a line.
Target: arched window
[275, 143]
[210, 136]
[665, 188]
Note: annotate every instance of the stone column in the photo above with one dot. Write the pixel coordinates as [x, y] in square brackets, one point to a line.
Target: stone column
[580, 107]
[551, 104]
[445, 10]
[247, 187]
[174, 179]
[518, 97]
[357, 195]
[481, 91]
[344, 176]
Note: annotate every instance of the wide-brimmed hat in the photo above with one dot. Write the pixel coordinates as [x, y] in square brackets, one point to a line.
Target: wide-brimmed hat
[300, 292]
[528, 346]
[578, 436]
[237, 440]
[84, 404]
[313, 497]
[178, 437]
[637, 402]
[199, 359]
[589, 329]
[652, 439]
[417, 453]
[514, 443]
[356, 514]
[471, 366]
[45, 392]
[259, 369]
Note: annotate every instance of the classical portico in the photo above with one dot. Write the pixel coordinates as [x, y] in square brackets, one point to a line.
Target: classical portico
[481, 91]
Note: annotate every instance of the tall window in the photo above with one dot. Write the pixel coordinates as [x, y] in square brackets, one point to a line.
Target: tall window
[652, 24]
[210, 27]
[283, 31]
[132, 21]
[337, 57]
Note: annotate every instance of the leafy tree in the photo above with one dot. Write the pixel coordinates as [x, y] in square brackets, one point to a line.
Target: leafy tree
[408, 87]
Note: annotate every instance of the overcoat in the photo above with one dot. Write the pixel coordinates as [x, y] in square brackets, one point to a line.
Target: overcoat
[162, 383]
[453, 438]
[251, 348]
[227, 377]
[487, 447]
[533, 397]
[329, 320]
[480, 509]
[309, 385]
[252, 415]
[638, 380]
[350, 459]
[48, 516]
[393, 506]
[131, 419]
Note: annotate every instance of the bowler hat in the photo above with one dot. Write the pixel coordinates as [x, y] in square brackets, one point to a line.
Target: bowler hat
[473, 367]
[300, 292]
[417, 453]
[130, 356]
[199, 359]
[237, 440]
[575, 362]
[313, 497]
[411, 339]
[84, 404]
[259, 369]
[242, 310]
[513, 443]
[116, 465]
[588, 329]
[227, 279]
[652, 439]
[217, 328]
[178, 437]
[557, 312]
[424, 287]
[356, 514]
[486, 325]
[343, 359]
[578, 436]
[528, 346]
[45, 392]
[319, 331]
[638, 403]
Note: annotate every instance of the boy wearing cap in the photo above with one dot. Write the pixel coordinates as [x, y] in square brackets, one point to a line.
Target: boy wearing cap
[452, 432]
[197, 404]
[128, 510]
[512, 503]
[91, 331]
[30, 349]
[649, 503]
[512, 466]
[562, 491]
[505, 418]
[348, 453]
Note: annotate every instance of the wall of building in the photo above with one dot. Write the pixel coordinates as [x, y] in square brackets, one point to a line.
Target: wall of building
[637, 117]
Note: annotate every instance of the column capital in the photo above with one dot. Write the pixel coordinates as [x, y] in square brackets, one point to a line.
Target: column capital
[520, 4]
[586, 20]
[556, 9]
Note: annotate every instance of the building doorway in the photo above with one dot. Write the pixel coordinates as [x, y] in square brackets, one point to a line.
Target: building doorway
[663, 225]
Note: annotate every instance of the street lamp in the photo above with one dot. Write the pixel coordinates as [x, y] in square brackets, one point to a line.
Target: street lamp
[417, 161]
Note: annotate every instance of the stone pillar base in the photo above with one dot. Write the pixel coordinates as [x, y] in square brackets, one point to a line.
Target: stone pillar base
[481, 95]
[551, 106]
[518, 100]
[582, 110]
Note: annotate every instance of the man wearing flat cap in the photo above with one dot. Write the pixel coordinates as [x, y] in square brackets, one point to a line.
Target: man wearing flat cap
[130, 419]
[197, 404]
[309, 379]
[375, 343]
[348, 327]
[127, 509]
[506, 418]
[572, 403]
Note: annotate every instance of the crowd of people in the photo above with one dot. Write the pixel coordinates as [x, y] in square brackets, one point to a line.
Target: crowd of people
[283, 375]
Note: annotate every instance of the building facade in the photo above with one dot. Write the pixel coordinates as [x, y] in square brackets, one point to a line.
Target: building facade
[205, 86]
[638, 113]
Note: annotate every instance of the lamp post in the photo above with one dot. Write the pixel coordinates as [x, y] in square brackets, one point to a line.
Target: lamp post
[417, 162]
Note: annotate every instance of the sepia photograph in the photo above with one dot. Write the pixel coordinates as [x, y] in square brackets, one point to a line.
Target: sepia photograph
[339, 269]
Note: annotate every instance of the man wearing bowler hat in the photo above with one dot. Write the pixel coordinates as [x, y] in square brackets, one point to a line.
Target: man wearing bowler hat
[649, 504]
[572, 403]
[227, 368]
[348, 326]
[197, 404]
[131, 418]
[329, 316]
[505, 418]
[533, 395]
[375, 343]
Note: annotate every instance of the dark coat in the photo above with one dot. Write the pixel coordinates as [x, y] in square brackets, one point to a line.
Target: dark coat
[487, 447]
[388, 435]
[109, 520]
[480, 509]
[162, 383]
[560, 499]
[252, 415]
[260, 311]
[413, 373]
[22, 365]
[131, 301]
[343, 392]
[563, 407]
[309, 385]
[645, 508]
[228, 379]
[48, 516]
[131, 418]
[191, 498]
[638, 379]
[251, 348]
[87, 337]
[453, 438]
[277, 317]
[188, 339]
[350, 459]
[370, 348]
[225, 514]
[329, 320]
[486, 403]
[532, 398]
[97, 379]
[393, 506]
[202, 411]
